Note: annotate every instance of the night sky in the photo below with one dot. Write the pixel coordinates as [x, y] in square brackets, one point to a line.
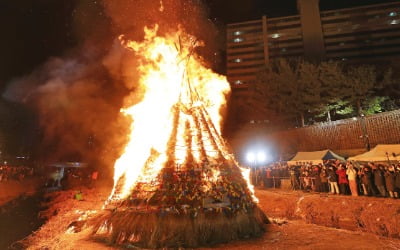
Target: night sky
[32, 31]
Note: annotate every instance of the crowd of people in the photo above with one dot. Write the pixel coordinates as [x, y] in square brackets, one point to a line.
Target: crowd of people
[18, 173]
[335, 177]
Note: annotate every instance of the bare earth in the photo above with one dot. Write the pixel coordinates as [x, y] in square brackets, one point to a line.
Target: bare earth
[11, 189]
[280, 234]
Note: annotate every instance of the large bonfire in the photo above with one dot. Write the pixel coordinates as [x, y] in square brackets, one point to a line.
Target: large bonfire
[176, 183]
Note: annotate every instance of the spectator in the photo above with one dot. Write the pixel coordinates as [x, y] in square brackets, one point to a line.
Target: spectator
[352, 176]
[366, 180]
[332, 179]
[390, 180]
[343, 182]
[397, 182]
[379, 180]
[307, 181]
[294, 178]
[316, 179]
[324, 181]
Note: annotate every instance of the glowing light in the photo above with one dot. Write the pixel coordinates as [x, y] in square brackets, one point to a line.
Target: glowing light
[250, 157]
[238, 82]
[276, 35]
[238, 40]
[261, 157]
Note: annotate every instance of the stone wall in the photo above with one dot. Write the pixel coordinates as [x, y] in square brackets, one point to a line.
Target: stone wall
[353, 133]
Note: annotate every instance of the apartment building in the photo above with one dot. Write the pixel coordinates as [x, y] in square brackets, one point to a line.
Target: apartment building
[368, 33]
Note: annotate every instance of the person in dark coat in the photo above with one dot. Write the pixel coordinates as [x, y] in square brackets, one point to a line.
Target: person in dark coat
[389, 180]
[366, 180]
[397, 181]
[379, 180]
[324, 181]
[316, 179]
[332, 180]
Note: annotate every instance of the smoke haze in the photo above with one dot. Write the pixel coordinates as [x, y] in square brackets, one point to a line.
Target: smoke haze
[77, 97]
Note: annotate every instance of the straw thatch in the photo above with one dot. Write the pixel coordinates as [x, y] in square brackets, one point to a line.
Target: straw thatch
[156, 230]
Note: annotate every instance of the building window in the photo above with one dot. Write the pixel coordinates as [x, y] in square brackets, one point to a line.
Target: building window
[276, 35]
[237, 60]
[392, 13]
[394, 22]
[237, 33]
[237, 82]
[238, 40]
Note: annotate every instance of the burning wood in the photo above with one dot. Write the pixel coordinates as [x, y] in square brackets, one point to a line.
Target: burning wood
[177, 184]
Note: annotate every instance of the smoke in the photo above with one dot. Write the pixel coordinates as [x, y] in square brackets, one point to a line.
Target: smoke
[78, 96]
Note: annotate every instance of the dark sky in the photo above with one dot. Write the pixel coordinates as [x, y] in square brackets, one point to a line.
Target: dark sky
[33, 30]
[242, 10]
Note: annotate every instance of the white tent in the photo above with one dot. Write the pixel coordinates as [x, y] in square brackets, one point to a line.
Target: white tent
[315, 157]
[382, 152]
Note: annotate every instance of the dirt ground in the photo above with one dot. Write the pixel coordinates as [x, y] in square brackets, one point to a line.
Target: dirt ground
[285, 232]
[11, 189]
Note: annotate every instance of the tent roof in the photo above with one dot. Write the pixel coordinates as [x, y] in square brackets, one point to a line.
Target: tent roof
[68, 165]
[382, 152]
[316, 156]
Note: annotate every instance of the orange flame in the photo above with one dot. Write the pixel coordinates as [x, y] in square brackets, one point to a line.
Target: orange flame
[166, 62]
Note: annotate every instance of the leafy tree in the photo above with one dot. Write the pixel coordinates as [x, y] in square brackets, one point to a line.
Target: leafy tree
[332, 89]
[290, 88]
[306, 97]
[359, 83]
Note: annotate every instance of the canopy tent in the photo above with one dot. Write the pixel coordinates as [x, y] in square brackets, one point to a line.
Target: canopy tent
[382, 152]
[315, 157]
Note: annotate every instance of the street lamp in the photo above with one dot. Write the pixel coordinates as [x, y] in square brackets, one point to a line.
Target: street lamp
[364, 132]
[256, 158]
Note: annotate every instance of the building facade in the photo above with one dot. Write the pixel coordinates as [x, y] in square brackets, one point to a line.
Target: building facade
[368, 33]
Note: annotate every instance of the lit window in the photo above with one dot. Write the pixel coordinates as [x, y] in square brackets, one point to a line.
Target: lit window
[238, 82]
[237, 33]
[238, 40]
[392, 13]
[276, 35]
[237, 60]
[395, 22]
[344, 59]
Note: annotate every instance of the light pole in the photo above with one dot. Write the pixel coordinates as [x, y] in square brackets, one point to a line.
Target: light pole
[364, 132]
[254, 159]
